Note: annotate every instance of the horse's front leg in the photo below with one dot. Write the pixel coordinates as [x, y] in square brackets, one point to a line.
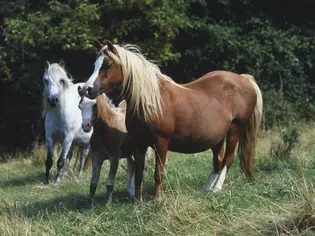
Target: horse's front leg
[139, 155]
[131, 177]
[97, 162]
[114, 161]
[66, 145]
[84, 153]
[161, 149]
[68, 159]
[49, 159]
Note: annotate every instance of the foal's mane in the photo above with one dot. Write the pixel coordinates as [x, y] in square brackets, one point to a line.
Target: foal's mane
[55, 71]
[140, 83]
[101, 109]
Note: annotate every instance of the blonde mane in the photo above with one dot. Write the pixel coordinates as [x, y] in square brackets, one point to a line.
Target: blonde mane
[56, 71]
[140, 83]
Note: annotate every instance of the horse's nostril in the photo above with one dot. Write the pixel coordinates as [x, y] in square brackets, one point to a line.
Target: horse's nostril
[56, 100]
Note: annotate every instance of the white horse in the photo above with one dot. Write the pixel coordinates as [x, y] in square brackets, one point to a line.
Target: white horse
[62, 119]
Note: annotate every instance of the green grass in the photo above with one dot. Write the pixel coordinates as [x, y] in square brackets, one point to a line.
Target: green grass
[282, 204]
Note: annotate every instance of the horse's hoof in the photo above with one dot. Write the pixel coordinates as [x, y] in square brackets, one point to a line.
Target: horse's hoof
[91, 204]
[109, 202]
[216, 190]
[206, 188]
[57, 180]
[137, 201]
[46, 181]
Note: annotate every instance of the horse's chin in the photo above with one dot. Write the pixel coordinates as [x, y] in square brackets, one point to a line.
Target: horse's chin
[52, 105]
[86, 130]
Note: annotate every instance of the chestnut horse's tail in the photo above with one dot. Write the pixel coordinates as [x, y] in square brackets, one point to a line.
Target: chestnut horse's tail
[88, 160]
[248, 139]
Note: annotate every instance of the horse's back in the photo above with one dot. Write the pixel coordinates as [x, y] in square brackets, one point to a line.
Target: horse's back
[232, 91]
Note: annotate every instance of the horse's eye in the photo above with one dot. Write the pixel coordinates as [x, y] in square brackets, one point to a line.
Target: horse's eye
[106, 66]
[62, 81]
[45, 81]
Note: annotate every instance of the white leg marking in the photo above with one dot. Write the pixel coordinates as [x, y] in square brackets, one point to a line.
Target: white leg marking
[211, 180]
[221, 179]
[131, 177]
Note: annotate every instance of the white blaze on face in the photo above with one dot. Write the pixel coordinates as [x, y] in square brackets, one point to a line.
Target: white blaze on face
[52, 90]
[97, 66]
[86, 107]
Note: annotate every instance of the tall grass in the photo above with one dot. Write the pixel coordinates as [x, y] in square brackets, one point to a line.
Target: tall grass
[282, 204]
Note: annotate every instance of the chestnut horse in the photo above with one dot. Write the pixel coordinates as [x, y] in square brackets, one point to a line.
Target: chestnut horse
[109, 140]
[187, 118]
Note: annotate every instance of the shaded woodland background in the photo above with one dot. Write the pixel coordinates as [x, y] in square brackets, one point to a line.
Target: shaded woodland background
[272, 40]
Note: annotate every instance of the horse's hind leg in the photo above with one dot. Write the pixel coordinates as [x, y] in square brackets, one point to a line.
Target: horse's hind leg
[61, 161]
[49, 158]
[231, 141]
[84, 153]
[97, 162]
[218, 152]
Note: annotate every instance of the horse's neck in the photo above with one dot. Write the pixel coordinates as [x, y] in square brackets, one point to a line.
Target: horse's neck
[105, 112]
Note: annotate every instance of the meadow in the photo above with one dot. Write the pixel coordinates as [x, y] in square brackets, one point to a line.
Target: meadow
[282, 202]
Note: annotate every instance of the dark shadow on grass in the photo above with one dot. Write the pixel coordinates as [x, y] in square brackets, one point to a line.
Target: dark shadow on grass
[21, 181]
[78, 202]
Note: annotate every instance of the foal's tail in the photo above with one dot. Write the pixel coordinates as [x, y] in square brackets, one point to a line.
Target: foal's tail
[248, 139]
[88, 160]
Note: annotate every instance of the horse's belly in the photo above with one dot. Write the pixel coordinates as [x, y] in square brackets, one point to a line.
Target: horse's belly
[191, 144]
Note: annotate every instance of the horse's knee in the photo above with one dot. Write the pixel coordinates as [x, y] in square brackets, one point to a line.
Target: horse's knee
[110, 188]
[60, 163]
[49, 163]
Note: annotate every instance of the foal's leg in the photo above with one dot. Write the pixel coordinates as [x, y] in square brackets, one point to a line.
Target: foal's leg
[49, 158]
[231, 141]
[84, 153]
[114, 161]
[218, 152]
[66, 145]
[131, 177]
[139, 166]
[160, 158]
[97, 162]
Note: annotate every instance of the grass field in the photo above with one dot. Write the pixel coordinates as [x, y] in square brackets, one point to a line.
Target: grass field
[282, 204]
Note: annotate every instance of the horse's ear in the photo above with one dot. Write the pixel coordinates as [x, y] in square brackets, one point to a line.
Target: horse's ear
[48, 64]
[123, 105]
[100, 45]
[80, 91]
[61, 63]
[111, 47]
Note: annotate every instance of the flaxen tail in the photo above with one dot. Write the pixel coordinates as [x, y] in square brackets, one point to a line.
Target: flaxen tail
[248, 139]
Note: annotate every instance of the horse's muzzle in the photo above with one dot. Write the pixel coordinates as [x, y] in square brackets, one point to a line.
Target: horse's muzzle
[86, 126]
[52, 102]
[90, 92]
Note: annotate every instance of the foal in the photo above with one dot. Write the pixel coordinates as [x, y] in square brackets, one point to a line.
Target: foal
[109, 140]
